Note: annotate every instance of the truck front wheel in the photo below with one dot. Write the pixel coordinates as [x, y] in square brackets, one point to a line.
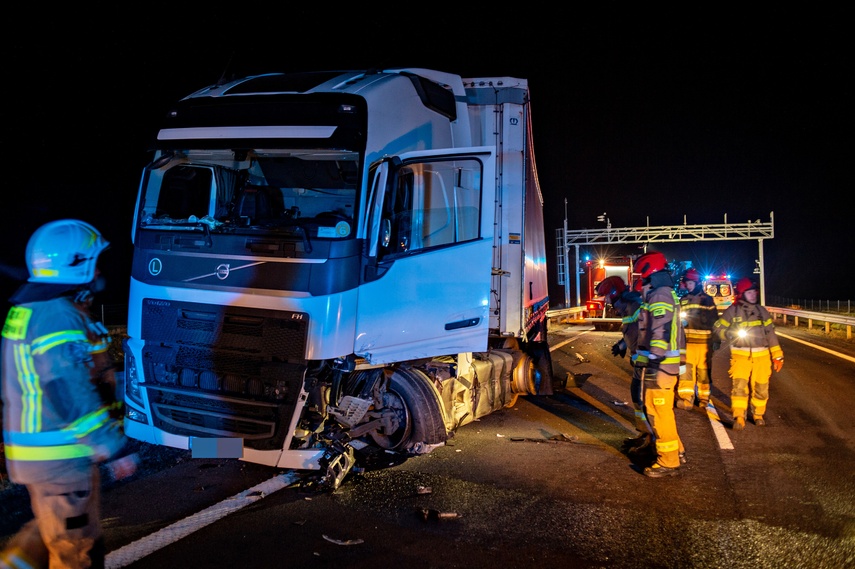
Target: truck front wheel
[416, 404]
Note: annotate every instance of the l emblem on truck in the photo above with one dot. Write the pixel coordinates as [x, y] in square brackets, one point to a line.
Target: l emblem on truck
[223, 272]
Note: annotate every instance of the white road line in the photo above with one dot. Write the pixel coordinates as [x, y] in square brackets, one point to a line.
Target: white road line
[832, 352]
[136, 550]
[603, 408]
[720, 432]
[565, 342]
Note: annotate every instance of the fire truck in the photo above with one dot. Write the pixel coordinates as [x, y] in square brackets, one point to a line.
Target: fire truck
[595, 271]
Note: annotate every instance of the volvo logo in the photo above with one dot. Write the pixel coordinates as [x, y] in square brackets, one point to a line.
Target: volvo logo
[223, 272]
[155, 266]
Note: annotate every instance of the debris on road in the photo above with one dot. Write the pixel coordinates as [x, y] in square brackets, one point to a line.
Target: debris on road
[431, 515]
[342, 541]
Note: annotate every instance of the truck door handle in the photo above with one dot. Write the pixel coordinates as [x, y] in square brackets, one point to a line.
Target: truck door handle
[468, 323]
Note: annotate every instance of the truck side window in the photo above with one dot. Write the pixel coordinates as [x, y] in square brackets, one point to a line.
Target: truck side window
[434, 204]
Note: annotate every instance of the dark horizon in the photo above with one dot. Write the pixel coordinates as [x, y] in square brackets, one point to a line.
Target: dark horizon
[649, 123]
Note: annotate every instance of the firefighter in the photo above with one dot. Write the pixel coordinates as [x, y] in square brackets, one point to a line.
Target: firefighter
[661, 350]
[699, 314]
[747, 328]
[627, 305]
[58, 394]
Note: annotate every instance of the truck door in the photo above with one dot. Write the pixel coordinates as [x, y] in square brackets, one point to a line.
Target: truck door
[427, 276]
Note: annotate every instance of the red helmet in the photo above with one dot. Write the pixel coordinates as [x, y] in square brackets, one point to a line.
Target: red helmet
[611, 288]
[745, 284]
[693, 275]
[650, 263]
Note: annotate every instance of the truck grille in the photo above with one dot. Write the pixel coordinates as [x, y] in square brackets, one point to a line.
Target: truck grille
[223, 371]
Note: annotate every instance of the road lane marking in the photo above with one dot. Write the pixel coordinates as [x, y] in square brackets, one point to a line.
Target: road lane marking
[138, 549]
[720, 432]
[593, 402]
[565, 342]
[832, 352]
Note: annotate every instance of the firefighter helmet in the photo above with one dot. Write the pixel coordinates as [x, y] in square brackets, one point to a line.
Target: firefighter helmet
[638, 285]
[692, 275]
[611, 288]
[64, 252]
[650, 263]
[745, 284]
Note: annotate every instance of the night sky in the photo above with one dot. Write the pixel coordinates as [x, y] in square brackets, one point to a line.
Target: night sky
[648, 117]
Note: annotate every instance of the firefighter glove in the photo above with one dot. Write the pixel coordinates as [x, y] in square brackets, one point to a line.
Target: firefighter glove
[652, 366]
[778, 363]
[619, 349]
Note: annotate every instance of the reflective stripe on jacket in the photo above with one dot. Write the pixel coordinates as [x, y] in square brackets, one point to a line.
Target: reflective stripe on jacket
[54, 421]
[748, 328]
[699, 314]
[660, 331]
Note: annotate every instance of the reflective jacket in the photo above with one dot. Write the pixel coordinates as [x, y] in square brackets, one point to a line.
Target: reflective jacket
[748, 329]
[699, 313]
[660, 331]
[55, 424]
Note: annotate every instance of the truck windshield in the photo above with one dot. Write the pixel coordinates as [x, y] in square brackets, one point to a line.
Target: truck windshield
[252, 191]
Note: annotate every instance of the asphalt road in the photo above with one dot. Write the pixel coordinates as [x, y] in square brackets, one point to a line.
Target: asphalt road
[542, 483]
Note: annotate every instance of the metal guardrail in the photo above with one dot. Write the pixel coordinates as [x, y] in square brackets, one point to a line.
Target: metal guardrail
[574, 311]
[826, 318]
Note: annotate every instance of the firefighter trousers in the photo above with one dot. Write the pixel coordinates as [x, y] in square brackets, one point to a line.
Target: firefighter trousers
[659, 407]
[696, 376]
[750, 375]
[66, 530]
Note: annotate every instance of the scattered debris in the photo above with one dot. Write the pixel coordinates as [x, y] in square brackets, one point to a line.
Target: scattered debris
[559, 438]
[356, 541]
[500, 435]
[424, 490]
[620, 403]
[299, 522]
[437, 515]
[582, 359]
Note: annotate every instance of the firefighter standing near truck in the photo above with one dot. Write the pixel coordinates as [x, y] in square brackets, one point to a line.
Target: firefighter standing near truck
[661, 352]
[627, 304]
[747, 328]
[60, 415]
[699, 314]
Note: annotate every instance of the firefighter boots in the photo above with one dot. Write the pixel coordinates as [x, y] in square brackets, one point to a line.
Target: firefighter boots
[659, 471]
[738, 423]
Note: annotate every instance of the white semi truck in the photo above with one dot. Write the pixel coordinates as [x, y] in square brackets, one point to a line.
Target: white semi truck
[333, 267]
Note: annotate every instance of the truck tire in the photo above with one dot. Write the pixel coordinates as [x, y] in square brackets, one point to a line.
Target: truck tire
[413, 397]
